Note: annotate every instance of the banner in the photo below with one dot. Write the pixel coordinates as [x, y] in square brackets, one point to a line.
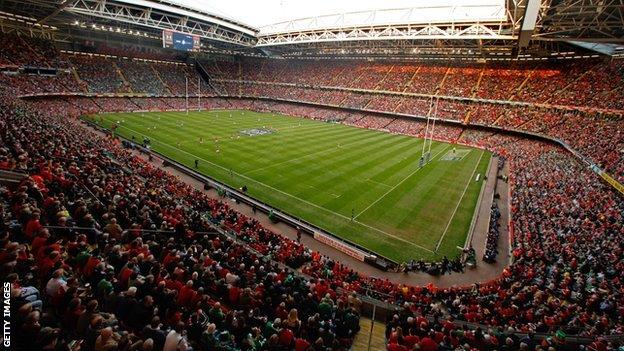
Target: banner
[613, 182]
[340, 246]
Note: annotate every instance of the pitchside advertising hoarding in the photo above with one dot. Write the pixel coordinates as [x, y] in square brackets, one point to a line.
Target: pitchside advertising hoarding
[180, 41]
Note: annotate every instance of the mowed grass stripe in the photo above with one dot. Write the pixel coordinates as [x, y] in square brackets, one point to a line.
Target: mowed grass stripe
[303, 171]
[350, 142]
[448, 224]
[429, 196]
[252, 151]
[349, 178]
[334, 164]
[394, 187]
[395, 241]
[456, 235]
[195, 134]
[345, 143]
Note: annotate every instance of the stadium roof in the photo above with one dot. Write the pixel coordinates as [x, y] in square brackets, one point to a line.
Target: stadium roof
[330, 28]
[272, 16]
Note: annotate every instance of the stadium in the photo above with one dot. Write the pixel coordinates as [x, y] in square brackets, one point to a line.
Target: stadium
[275, 176]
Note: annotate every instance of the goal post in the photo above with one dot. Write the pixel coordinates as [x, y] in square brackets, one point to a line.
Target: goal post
[187, 96]
[422, 155]
[435, 117]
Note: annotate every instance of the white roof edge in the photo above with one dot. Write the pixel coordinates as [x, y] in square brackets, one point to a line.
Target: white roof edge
[182, 10]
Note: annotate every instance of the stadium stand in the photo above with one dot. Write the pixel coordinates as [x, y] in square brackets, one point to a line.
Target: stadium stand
[97, 242]
[107, 257]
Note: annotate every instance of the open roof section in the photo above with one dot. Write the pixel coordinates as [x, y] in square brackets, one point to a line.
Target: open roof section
[192, 6]
[488, 11]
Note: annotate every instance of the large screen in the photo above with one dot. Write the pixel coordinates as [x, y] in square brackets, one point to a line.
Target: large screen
[180, 41]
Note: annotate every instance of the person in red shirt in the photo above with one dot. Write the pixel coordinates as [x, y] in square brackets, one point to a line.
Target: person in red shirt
[124, 275]
[286, 336]
[411, 340]
[39, 241]
[396, 347]
[186, 294]
[89, 267]
[301, 344]
[33, 226]
[234, 294]
[428, 344]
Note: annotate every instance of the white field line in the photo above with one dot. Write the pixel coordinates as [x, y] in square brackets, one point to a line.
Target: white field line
[459, 202]
[399, 183]
[464, 154]
[287, 194]
[376, 182]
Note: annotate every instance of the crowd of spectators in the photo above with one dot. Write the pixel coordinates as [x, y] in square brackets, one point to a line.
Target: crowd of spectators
[141, 77]
[595, 136]
[24, 83]
[175, 77]
[592, 83]
[539, 263]
[99, 73]
[105, 251]
[491, 241]
[18, 50]
[96, 238]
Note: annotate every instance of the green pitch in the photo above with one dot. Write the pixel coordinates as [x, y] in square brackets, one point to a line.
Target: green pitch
[328, 173]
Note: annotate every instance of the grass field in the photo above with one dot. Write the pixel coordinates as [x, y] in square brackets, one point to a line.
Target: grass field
[326, 173]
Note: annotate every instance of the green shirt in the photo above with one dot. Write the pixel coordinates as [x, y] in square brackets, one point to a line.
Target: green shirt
[104, 286]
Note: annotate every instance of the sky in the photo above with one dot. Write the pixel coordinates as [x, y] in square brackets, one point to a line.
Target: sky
[264, 12]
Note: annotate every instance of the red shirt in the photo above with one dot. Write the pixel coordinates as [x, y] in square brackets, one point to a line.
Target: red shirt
[32, 227]
[89, 267]
[234, 294]
[301, 345]
[37, 243]
[186, 295]
[286, 337]
[124, 276]
[410, 341]
[427, 344]
[396, 347]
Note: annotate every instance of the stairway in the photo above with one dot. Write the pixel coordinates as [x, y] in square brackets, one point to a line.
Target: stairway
[377, 338]
[84, 86]
[160, 79]
[203, 73]
[126, 84]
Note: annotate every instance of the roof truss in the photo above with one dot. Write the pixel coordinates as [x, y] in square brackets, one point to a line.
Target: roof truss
[156, 18]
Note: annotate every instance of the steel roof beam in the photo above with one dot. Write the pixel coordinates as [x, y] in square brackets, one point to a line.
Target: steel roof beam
[158, 19]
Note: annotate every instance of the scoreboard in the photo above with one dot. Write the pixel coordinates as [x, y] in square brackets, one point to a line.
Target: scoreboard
[180, 41]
